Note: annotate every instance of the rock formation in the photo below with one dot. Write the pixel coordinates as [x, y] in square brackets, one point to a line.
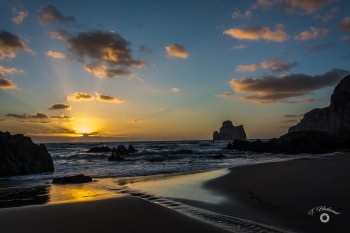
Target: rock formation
[77, 179]
[320, 131]
[229, 132]
[19, 156]
[332, 118]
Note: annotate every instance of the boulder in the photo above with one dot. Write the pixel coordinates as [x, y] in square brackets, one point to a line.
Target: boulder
[121, 150]
[230, 132]
[99, 149]
[20, 156]
[72, 179]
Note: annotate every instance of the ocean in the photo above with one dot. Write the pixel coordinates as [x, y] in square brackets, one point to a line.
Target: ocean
[162, 158]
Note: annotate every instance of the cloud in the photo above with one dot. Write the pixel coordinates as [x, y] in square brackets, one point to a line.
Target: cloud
[80, 96]
[345, 25]
[57, 55]
[38, 115]
[328, 15]
[293, 115]
[247, 68]
[321, 47]
[107, 98]
[272, 89]
[312, 34]
[308, 6]
[61, 117]
[176, 90]
[59, 34]
[176, 50]
[19, 16]
[258, 33]
[9, 44]
[273, 64]
[138, 120]
[241, 46]
[50, 14]
[7, 70]
[105, 54]
[60, 106]
[226, 94]
[238, 15]
[289, 121]
[7, 84]
[102, 71]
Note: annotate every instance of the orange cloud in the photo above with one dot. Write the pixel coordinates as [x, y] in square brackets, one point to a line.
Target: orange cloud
[19, 16]
[107, 98]
[308, 6]
[273, 64]
[312, 34]
[176, 90]
[176, 50]
[258, 33]
[103, 71]
[226, 94]
[54, 54]
[7, 70]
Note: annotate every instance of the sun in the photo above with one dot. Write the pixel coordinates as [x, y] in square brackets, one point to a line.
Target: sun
[84, 129]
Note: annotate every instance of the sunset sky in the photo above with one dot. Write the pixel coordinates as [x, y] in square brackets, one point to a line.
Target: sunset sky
[167, 70]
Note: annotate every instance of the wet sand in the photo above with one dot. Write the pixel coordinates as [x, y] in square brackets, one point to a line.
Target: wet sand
[282, 193]
[123, 214]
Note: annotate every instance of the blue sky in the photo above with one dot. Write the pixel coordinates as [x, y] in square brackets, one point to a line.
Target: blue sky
[165, 70]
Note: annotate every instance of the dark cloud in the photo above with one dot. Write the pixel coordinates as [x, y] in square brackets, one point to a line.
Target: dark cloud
[50, 14]
[293, 115]
[6, 84]
[289, 121]
[61, 117]
[270, 89]
[9, 44]
[105, 54]
[80, 96]
[345, 25]
[38, 115]
[107, 98]
[321, 47]
[60, 106]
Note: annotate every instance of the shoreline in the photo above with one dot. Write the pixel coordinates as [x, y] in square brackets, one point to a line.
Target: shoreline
[276, 194]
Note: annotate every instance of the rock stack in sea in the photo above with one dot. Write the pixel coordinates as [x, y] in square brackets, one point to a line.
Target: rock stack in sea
[229, 132]
[20, 156]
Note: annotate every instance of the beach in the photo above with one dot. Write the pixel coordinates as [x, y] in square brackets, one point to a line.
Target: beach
[278, 195]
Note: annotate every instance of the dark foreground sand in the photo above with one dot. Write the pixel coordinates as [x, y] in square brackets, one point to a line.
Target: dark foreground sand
[123, 214]
[281, 194]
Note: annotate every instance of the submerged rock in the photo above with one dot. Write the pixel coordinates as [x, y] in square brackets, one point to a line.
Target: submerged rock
[230, 132]
[117, 154]
[132, 149]
[20, 156]
[99, 149]
[72, 179]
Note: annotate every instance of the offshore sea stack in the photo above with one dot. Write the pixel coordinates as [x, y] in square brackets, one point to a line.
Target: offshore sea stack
[333, 118]
[20, 156]
[230, 132]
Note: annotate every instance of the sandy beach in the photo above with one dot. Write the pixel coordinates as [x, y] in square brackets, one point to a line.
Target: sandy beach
[278, 194]
[283, 193]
